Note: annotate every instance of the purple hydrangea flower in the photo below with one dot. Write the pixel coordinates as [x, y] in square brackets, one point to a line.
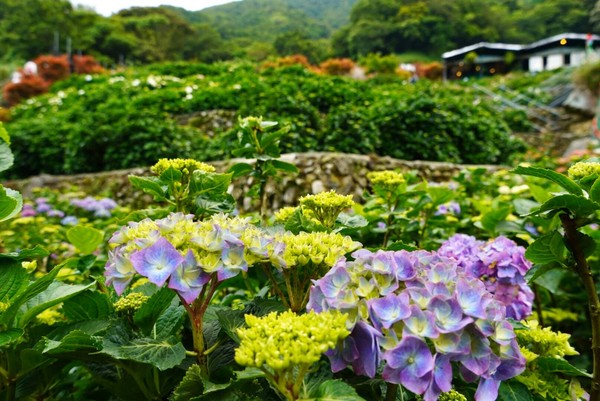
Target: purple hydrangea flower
[188, 279]
[28, 211]
[500, 264]
[410, 363]
[157, 262]
[69, 221]
[118, 271]
[436, 315]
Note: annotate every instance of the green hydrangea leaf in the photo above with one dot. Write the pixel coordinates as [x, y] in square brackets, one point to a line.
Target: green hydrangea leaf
[164, 354]
[547, 249]
[13, 279]
[87, 305]
[554, 365]
[334, 390]
[56, 293]
[11, 203]
[86, 239]
[550, 175]
[6, 157]
[9, 336]
[148, 314]
[576, 205]
[150, 185]
[512, 390]
[191, 385]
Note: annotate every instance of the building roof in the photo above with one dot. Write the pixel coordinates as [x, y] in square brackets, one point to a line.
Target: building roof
[516, 47]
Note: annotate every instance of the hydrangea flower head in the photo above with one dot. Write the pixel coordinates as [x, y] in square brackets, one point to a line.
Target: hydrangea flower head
[500, 264]
[326, 206]
[432, 315]
[185, 166]
[186, 253]
[584, 169]
[386, 179]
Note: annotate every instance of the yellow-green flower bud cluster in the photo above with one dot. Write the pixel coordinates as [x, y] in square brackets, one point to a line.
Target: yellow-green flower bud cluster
[49, 317]
[387, 179]
[185, 166]
[584, 169]
[282, 341]
[283, 214]
[326, 206]
[4, 306]
[318, 249]
[130, 302]
[548, 386]
[536, 341]
[452, 395]
[544, 342]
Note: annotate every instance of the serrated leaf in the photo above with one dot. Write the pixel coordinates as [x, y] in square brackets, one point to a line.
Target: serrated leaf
[554, 365]
[139, 215]
[577, 205]
[86, 239]
[208, 184]
[240, 169]
[169, 322]
[147, 315]
[539, 193]
[164, 354]
[334, 390]
[401, 246]
[76, 342]
[6, 157]
[546, 249]
[56, 293]
[212, 204]
[230, 321]
[191, 385]
[150, 185]
[539, 270]
[87, 305]
[550, 175]
[13, 278]
[10, 335]
[171, 175]
[513, 391]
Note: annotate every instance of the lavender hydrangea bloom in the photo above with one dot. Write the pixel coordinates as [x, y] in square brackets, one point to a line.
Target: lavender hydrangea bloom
[157, 262]
[188, 279]
[436, 316]
[28, 211]
[500, 264]
[119, 271]
[100, 208]
[410, 364]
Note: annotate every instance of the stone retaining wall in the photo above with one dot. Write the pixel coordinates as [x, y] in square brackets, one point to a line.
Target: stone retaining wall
[319, 171]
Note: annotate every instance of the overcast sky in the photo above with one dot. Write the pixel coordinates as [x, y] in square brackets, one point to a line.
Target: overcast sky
[108, 7]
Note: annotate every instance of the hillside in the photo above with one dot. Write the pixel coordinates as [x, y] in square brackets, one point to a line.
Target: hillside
[262, 20]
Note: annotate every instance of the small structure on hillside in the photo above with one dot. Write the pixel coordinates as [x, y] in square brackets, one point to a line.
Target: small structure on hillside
[484, 59]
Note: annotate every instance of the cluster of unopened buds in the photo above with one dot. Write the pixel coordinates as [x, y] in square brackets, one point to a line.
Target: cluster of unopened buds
[417, 314]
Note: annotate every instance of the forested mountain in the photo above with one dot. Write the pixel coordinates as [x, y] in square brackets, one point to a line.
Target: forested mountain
[258, 29]
[434, 26]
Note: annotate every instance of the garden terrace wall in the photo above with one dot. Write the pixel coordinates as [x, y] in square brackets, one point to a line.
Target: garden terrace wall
[319, 171]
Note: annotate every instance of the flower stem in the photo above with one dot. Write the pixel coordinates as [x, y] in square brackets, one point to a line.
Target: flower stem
[583, 270]
[392, 391]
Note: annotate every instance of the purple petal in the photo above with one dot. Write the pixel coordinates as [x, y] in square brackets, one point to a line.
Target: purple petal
[366, 339]
[157, 262]
[448, 314]
[487, 390]
[421, 323]
[386, 311]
